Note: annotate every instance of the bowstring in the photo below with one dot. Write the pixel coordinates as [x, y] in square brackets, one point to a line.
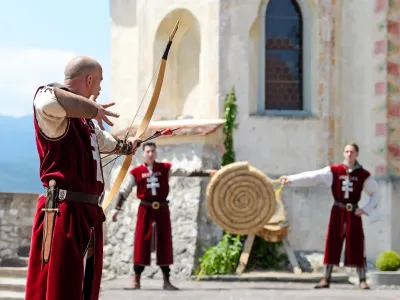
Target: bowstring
[137, 111]
[148, 139]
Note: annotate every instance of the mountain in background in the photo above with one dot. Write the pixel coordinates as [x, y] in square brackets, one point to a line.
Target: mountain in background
[19, 162]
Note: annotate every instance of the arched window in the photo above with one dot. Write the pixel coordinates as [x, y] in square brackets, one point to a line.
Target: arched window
[283, 56]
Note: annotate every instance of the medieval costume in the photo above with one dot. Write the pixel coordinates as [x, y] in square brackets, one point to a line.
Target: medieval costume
[347, 186]
[153, 224]
[66, 253]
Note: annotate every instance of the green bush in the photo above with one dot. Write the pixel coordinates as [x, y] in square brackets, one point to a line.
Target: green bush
[222, 258]
[388, 261]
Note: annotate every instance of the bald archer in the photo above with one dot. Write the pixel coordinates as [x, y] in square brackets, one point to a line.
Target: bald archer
[66, 255]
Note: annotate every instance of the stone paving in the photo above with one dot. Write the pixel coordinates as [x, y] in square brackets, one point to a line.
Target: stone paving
[152, 289]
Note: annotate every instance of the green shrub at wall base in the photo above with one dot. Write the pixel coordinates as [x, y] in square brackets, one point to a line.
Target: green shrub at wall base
[388, 261]
[222, 258]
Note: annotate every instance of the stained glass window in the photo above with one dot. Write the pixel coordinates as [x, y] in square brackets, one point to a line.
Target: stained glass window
[284, 56]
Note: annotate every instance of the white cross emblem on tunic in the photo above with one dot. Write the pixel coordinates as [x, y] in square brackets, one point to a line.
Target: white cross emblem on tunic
[347, 187]
[152, 183]
[96, 156]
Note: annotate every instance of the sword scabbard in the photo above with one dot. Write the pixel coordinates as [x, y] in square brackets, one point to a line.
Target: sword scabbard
[50, 212]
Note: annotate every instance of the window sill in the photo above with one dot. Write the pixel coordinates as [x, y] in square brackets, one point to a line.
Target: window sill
[290, 114]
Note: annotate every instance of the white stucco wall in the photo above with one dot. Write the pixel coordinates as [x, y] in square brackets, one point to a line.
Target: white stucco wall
[133, 63]
[276, 145]
[359, 73]
[124, 58]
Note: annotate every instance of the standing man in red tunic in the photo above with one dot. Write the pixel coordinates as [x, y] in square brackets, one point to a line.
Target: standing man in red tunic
[153, 225]
[347, 181]
[66, 254]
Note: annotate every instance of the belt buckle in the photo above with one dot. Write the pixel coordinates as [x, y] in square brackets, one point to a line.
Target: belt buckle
[155, 205]
[349, 207]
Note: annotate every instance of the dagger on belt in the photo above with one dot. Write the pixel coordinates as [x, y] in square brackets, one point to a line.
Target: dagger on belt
[49, 220]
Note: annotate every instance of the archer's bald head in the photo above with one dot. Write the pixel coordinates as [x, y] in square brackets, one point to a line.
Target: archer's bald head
[80, 66]
[83, 75]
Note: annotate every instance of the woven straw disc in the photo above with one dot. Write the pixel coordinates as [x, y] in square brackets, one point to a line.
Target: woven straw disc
[240, 199]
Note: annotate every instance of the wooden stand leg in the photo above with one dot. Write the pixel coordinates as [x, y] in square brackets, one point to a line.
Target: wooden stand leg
[244, 257]
[292, 257]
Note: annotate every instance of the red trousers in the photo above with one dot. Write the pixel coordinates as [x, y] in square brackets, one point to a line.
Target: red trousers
[64, 276]
[345, 226]
[143, 236]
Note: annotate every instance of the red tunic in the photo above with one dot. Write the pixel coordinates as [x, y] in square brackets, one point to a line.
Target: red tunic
[153, 186]
[73, 160]
[344, 224]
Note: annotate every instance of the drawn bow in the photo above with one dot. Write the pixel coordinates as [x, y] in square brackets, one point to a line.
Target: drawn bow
[143, 125]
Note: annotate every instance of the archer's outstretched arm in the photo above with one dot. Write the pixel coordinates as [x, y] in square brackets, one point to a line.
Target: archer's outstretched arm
[309, 178]
[109, 143]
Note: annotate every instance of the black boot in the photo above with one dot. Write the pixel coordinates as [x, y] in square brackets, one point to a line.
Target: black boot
[167, 284]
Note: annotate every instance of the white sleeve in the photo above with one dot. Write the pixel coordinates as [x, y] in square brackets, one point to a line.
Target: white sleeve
[50, 115]
[372, 189]
[127, 185]
[310, 178]
[106, 141]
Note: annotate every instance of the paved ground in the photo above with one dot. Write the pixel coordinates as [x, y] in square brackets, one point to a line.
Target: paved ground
[151, 289]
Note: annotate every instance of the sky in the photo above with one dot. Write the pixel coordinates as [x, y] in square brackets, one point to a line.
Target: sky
[38, 37]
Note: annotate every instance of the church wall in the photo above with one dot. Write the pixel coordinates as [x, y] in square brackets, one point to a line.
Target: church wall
[364, 110]
[393, 87]
[133, 61]
[393, 109]
[124, 59]
[274, 144]
[363, 82]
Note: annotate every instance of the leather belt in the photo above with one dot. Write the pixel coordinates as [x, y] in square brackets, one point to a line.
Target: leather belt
[154, 204]
[348, 206]
[78, 196]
